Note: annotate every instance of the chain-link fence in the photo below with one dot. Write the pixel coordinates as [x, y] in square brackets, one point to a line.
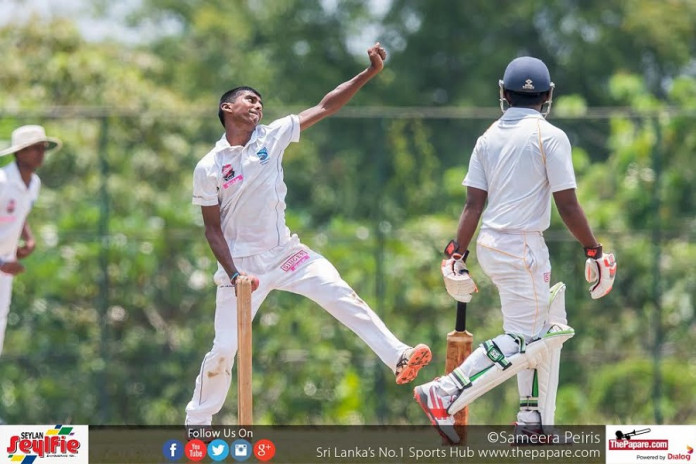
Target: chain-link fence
[111, 319]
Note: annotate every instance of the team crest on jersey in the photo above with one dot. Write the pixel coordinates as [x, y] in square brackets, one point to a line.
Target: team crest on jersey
[227, 172]
[11, 206]
[263, 155]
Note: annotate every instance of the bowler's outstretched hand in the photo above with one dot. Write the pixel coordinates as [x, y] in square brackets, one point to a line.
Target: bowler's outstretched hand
[377, 56]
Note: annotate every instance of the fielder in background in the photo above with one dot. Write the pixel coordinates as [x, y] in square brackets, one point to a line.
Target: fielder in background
[19, 189]
[517, 165]
[239, 187]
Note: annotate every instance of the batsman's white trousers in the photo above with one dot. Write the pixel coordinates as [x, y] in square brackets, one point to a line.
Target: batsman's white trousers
[519, 266]
[5, 298]
[294, 268]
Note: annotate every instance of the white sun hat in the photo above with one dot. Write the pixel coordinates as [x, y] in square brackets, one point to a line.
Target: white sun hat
[26, 136]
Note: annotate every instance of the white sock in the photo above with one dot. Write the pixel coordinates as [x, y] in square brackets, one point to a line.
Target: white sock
[450, 383]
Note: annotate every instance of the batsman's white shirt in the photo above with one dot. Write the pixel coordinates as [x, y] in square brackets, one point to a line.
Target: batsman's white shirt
[519, 161]
[16, 201]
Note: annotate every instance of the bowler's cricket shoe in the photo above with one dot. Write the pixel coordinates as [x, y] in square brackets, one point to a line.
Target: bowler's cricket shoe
[434, 402]
[411, 361]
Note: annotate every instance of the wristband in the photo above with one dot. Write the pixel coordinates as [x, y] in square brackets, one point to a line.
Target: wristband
[451, 249]
[234, 278]
[593, 252]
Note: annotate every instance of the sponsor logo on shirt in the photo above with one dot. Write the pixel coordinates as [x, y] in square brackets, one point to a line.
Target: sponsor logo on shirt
[227, 172]
[263, 155]
[227, 184]
[10, 209]
[294, 261]
[228, 176]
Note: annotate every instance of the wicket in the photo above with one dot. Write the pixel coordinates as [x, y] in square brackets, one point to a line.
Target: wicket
[244, 393]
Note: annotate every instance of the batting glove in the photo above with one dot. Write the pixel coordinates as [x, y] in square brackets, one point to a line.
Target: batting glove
[600, 271]
[458, 281]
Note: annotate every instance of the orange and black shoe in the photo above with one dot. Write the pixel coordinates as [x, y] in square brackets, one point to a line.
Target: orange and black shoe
[411, 361]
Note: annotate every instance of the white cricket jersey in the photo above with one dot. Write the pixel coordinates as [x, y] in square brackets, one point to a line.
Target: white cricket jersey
[247, 183]
[520, 160]
[16, 201]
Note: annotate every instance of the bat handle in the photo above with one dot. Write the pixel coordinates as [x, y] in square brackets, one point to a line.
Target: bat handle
[460, 325]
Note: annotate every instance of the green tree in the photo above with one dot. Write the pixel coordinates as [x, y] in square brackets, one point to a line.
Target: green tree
[378, 191]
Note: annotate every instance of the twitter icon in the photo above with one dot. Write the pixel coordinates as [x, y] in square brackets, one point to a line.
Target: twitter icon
[218, 450]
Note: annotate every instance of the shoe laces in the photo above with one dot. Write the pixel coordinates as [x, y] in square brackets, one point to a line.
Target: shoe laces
[403, 360]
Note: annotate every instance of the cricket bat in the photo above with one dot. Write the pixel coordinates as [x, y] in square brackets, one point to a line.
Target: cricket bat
[459, 343]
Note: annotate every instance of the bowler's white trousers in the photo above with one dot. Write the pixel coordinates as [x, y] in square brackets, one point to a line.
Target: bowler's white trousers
[295, 268]
[5, 298]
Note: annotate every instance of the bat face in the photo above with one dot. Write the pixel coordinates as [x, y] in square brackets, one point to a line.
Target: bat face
[459, 342]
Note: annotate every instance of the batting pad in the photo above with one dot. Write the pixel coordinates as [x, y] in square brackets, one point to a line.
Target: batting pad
[548, 385]
[537, 352]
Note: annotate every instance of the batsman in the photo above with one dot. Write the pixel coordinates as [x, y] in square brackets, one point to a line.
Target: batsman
[516, 167]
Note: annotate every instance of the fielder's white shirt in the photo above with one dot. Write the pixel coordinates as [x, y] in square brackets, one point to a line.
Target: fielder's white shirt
[520, 161]
[247, 183]
[16, 201]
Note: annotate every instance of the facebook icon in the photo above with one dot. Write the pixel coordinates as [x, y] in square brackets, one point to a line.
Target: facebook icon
[173, 450]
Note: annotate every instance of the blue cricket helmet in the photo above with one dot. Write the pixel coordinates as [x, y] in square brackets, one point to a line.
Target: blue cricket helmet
[527, 74]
